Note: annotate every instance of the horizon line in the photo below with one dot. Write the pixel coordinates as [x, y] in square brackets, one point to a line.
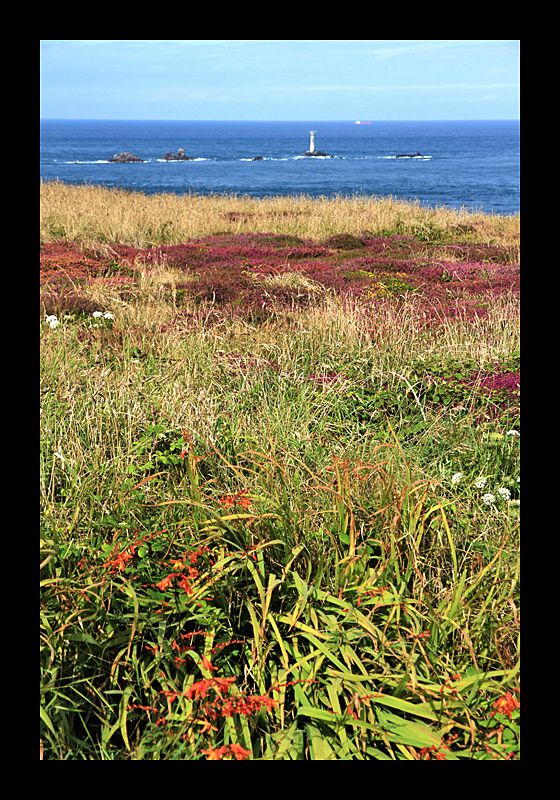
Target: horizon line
[147, 119]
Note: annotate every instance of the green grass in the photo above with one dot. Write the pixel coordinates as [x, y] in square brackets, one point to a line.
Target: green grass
[252, 546]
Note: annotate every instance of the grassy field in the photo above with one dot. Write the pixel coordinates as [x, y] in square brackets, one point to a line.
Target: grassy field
[279, 479]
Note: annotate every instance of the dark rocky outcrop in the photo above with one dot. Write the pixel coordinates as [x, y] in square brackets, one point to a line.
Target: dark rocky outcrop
[123, 158]
[409, 155]
[317, 153]
[178, 156]
[258, 158]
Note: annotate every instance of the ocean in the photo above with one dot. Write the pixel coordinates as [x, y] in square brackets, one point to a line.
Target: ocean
[461, 164]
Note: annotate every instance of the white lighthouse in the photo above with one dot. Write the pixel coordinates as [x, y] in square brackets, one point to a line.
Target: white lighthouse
[312, 141]
[312, 151]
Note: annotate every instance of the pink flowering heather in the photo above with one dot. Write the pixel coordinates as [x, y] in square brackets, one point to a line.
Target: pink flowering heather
[229, 272]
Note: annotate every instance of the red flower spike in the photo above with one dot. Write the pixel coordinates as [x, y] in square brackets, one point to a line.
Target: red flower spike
[118, 561]
[206, 664]
[505, 705]
[166, 582]
[198, 689]
[239, 752]
[223, 684]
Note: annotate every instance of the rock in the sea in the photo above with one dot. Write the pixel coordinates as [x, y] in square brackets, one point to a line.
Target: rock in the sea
[409, 155]
[178, 156]
[124, 157]
[258, 158]
[317, 153]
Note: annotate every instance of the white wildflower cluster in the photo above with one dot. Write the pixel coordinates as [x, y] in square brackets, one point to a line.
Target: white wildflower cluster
[99, 315]
[488, 499]
[52, 321]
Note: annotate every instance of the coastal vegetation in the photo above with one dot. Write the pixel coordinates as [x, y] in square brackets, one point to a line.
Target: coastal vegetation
[90, 214]
[280, 483]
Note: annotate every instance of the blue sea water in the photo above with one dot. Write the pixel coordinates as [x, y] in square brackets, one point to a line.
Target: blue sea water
[470, 164]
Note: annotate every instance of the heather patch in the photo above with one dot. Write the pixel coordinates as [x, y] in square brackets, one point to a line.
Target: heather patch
[259, 273]
[344, 241]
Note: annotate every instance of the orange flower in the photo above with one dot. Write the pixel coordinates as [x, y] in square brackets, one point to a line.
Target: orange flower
[239, 752]
[233, 749]
[206, 726]
[426, 753]
[199, 688]
[206, 664]
[505, 705]
[223, 684]
[185, 585]
[119, 560]
[171, 696]
[228, 501]
[163, 585]
[214, 755]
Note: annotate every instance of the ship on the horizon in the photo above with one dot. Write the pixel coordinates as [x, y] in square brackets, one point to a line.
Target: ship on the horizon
[359, 122]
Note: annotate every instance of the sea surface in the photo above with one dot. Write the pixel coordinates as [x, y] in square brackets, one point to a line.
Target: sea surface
[471, 164]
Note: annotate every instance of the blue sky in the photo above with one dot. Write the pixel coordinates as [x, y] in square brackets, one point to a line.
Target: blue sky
[276, 79]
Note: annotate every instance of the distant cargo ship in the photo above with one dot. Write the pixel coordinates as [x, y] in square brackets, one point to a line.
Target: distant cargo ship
[359, 122]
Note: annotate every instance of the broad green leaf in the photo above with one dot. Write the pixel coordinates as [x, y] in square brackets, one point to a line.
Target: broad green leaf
[46, 719]
[320, 748]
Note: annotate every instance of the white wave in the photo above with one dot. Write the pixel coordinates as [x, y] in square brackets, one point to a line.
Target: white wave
[265, 158]
[314, 158]
[98, 161]
[417, 158]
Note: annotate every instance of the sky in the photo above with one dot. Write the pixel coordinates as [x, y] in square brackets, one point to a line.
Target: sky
[280, 79]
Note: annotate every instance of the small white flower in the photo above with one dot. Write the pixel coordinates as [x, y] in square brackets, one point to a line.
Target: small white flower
[98, 313]
[53, 323]
[513, 433]
[50, 317]
[457, 477]
[67, 316]
[505, 493]
[488, 498]
[108, 315]
[480, 483]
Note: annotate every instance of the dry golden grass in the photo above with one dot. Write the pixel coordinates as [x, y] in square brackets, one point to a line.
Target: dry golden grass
[98, 216]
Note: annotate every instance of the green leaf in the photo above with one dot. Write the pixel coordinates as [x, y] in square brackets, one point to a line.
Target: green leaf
[337, 719]
[291, 744]
[122, 714]
[46, 719]
[319, 747]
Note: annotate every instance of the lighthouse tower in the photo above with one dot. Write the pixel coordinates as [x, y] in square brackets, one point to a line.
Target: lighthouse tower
[312, 141]
[312, 151]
